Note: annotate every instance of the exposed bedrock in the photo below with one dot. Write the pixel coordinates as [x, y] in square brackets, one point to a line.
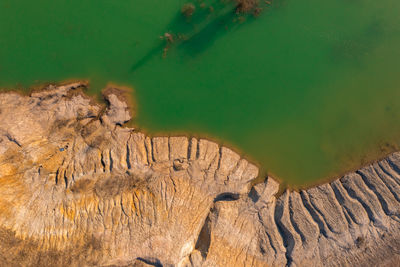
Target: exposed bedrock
[79, 189]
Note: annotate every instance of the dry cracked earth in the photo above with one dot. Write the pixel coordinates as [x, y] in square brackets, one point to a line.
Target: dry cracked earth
[77, 188]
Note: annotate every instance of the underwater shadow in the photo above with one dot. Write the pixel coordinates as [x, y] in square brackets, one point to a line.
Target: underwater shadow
[215, 30]
[195, 34]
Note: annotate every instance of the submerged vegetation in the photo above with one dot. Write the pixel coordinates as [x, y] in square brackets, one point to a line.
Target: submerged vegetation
[188, 9]
[240, 6]
[248, 6]
[198, 23]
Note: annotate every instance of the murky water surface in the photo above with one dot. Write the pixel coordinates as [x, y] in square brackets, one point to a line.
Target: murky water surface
[309, 89]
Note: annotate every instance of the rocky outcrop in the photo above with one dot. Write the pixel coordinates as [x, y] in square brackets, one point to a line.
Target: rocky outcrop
[78, 189]
[353, 221]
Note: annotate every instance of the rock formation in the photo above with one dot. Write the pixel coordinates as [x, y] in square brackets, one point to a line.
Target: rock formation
[79, 189]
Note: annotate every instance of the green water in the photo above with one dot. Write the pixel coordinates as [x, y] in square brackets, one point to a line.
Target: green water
[309, 89]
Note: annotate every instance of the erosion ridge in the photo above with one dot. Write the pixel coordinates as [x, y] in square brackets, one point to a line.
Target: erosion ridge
[78, 189]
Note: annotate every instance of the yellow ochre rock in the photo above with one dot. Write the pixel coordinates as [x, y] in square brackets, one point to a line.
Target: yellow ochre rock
[79, 189]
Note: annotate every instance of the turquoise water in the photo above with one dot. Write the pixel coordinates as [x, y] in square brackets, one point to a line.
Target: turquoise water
[309, 89]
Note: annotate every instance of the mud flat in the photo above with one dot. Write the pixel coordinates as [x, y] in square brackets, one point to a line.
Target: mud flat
[77, 188]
